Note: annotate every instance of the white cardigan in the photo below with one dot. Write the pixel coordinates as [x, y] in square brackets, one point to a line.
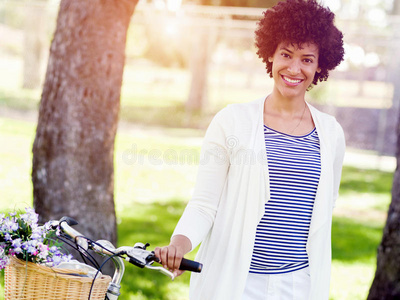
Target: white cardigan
[230, 194]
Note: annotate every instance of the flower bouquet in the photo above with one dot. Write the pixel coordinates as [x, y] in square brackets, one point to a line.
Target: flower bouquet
[30, 255]
[23, 238]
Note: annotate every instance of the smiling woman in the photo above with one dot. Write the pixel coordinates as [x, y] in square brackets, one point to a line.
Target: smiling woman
[265, 224]
[299, 44]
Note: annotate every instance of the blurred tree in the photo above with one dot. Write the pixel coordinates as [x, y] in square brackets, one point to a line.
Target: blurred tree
[202, 47]
[396, 7]
[386, 284]
[73, 151]
[35, 42]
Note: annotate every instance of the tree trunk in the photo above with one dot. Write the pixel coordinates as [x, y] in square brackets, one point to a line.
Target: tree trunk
[386, 284]
[199, 68]
[73, 150]
[203, 44]
[396, 7]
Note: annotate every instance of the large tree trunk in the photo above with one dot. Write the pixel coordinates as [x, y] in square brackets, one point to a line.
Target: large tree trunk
[386, 284]
[74, 146]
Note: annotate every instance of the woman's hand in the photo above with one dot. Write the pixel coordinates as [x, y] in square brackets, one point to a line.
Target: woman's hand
[171, 255]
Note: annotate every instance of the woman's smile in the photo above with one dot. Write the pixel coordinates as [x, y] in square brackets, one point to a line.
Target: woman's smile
[291, 81]
[294, 68]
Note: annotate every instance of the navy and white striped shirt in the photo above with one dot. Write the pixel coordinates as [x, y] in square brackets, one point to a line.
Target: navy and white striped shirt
[294, 164]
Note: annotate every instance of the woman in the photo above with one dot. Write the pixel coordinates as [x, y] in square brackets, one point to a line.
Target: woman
[269, 174]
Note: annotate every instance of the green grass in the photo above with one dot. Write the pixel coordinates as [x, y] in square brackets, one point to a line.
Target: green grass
[15, 164]
[352, 234]
[151, 223]
[357, 226]
[155, 171]
[365, 181]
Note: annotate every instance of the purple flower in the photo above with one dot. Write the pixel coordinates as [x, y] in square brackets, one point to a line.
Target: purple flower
[43, 251]
[17, 250]
[42, 247]
[47, 226]
[56, 260]
[36, 236]
[30, 217]
[9, 225]
[53, 249]
[8, 237]
[32, 250]
[33, 243]
[3, 262]
[14, 227]
[68, 257]
[24, 245]
[16, 243]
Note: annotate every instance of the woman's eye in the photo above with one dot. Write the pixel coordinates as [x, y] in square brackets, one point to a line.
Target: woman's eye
[285, 55]
[307, 60]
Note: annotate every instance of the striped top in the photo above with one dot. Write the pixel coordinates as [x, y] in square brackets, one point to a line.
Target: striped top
[294, 164]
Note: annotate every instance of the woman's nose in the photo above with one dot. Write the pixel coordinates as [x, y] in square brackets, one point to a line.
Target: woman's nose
[294, 67]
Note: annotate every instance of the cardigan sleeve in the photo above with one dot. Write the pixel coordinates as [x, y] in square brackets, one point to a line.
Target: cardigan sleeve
[338, 161]
[199, 215]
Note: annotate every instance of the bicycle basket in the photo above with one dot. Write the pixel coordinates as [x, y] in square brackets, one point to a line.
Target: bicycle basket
[26, 280]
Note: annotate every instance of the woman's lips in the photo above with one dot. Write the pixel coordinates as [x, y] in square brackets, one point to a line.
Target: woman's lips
[291, 81]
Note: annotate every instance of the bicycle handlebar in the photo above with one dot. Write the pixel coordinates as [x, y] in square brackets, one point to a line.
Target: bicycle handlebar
[137, 255]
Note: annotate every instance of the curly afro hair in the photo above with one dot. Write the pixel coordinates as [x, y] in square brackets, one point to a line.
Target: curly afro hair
[299, 22]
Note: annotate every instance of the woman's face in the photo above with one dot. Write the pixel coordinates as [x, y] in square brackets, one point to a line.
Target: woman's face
[293, 68]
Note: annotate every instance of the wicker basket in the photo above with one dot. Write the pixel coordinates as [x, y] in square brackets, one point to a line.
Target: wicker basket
[35, 282]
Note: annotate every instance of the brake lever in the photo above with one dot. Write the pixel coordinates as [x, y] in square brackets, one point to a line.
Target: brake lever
[139, 256]
[161, 270]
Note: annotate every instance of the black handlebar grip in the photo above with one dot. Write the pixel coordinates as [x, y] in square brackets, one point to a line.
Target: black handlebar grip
[70, 221]
[190, 265]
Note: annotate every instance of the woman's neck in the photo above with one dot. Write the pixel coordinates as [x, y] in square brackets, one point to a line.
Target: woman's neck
[284, 105]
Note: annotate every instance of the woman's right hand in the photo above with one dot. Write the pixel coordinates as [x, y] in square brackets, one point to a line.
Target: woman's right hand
[171, 255]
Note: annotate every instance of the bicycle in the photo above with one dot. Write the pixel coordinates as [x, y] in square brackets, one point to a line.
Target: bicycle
[136, 255]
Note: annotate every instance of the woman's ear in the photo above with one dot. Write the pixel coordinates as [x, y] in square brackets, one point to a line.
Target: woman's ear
[270, 59]
[318, 70]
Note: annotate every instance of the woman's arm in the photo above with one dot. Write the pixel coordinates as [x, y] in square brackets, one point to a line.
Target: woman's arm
[201, 210]
[199, 215]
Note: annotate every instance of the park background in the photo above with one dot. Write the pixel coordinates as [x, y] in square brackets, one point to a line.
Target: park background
[170, 46]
